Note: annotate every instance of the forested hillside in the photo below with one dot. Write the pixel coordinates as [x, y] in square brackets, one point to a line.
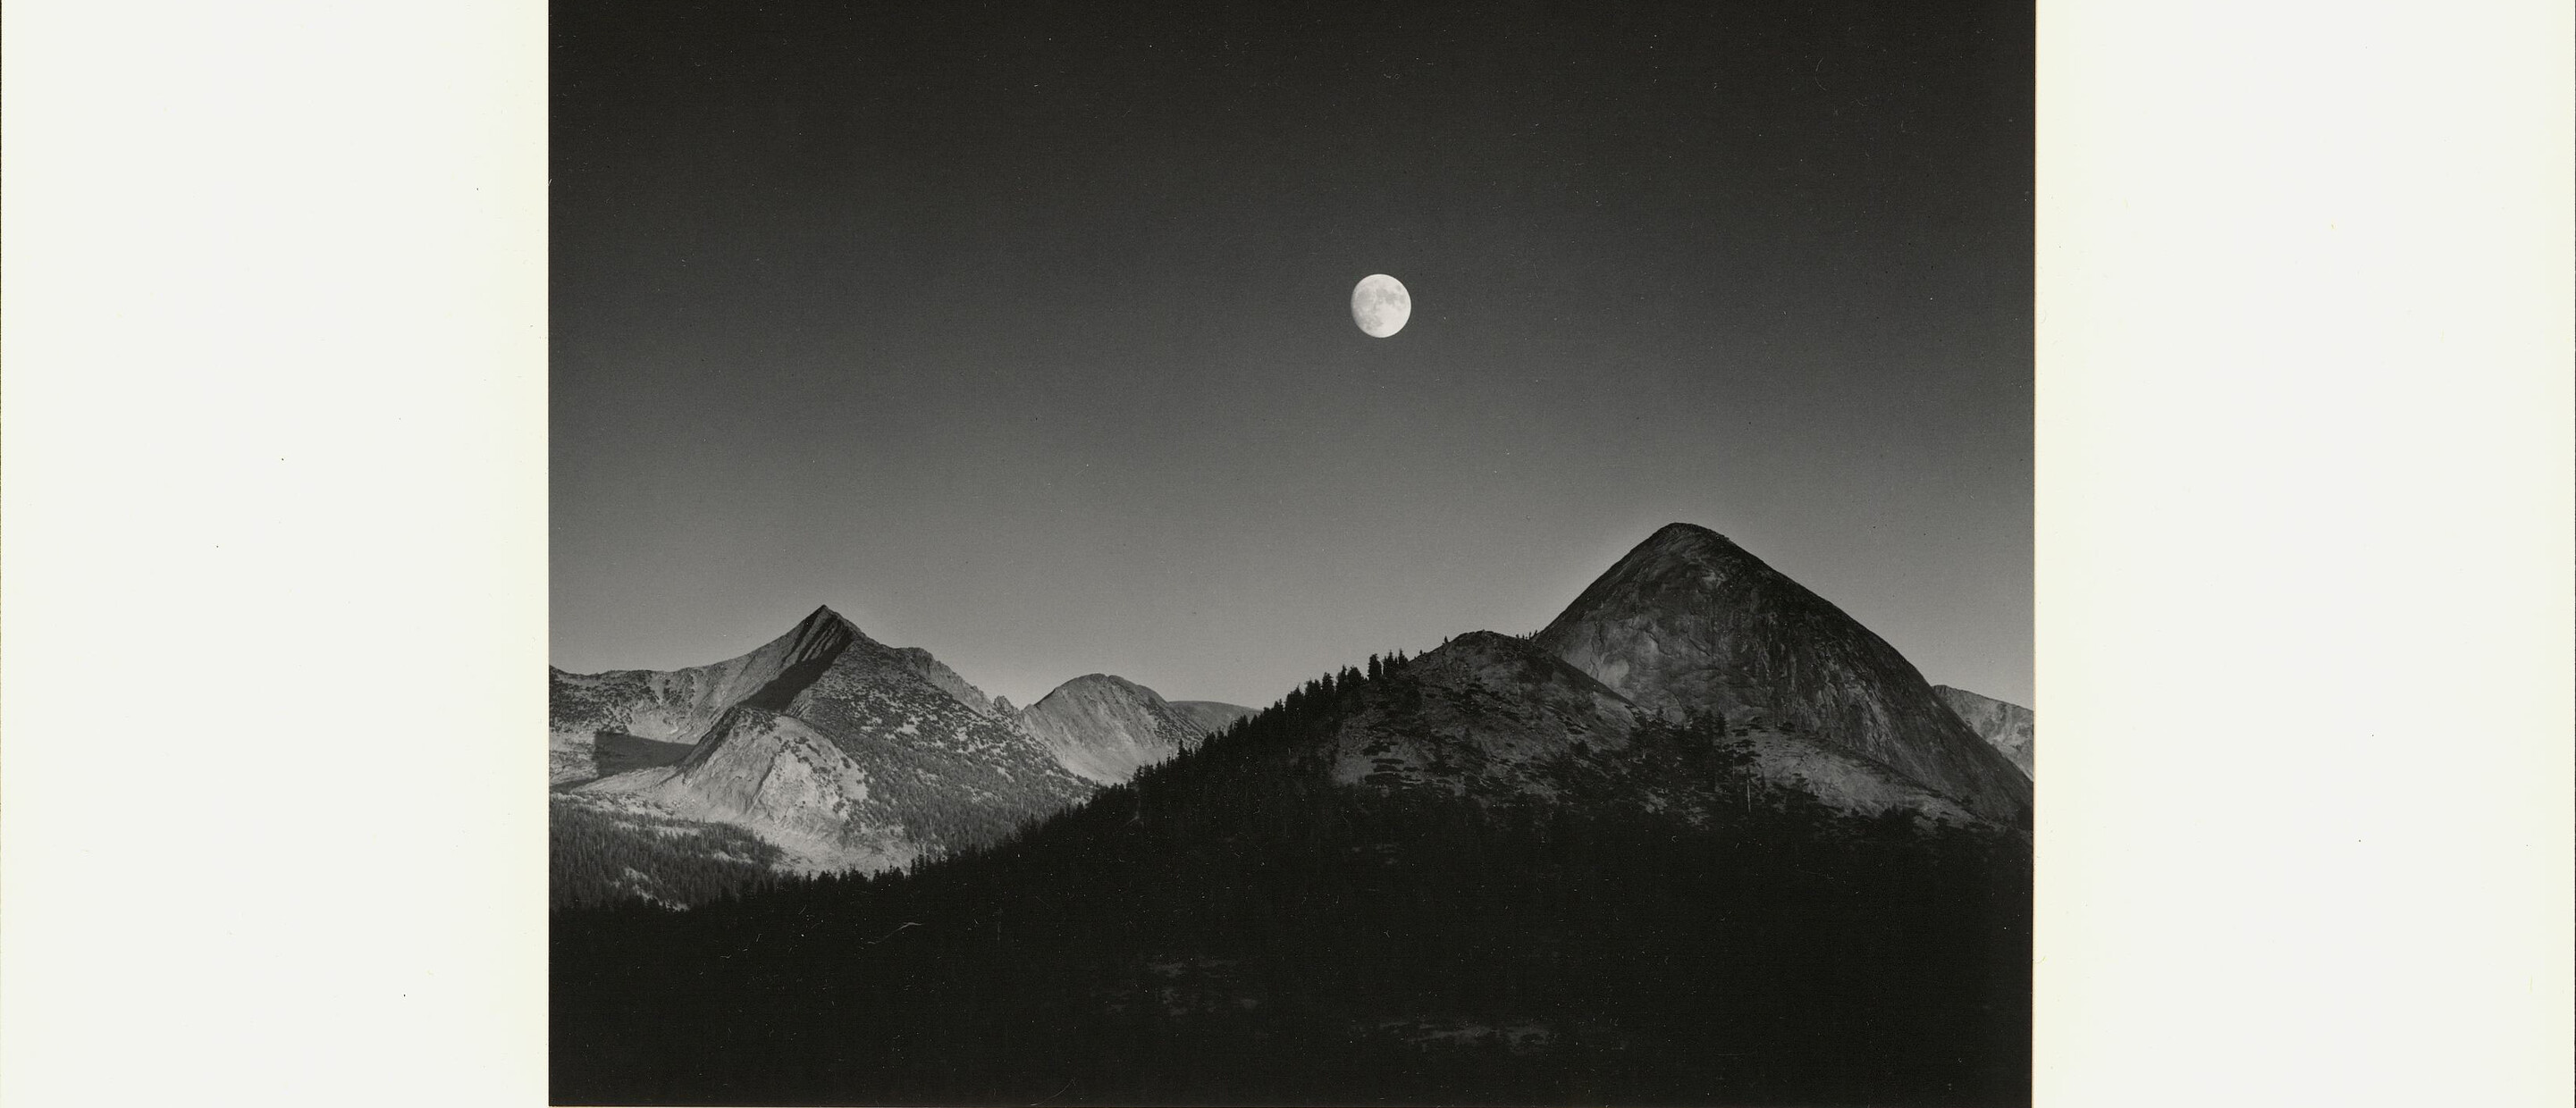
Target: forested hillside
[1233, 926]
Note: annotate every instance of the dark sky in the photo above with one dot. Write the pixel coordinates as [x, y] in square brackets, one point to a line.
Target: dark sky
[1021, 333]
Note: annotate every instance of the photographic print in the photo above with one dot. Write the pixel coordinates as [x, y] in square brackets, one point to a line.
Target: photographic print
[1294, 553]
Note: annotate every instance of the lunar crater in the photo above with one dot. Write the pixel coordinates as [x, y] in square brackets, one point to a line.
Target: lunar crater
[1380, 305]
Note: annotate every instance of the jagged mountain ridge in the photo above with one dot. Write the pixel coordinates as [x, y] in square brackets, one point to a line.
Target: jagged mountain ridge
[846, 753]
[679, 706]
[842, 751]
[676, 706]
[2006, 726]
[1690, 621]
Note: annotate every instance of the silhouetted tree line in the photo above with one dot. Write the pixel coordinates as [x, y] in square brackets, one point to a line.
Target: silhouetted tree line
[595, 858]
[1231, 926]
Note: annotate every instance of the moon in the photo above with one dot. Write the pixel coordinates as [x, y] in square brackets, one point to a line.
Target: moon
[1380, 305]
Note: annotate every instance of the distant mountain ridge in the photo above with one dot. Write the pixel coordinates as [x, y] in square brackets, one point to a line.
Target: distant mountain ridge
[846, 753]
[2007, 727]
[1103, 728]
[1209, 715]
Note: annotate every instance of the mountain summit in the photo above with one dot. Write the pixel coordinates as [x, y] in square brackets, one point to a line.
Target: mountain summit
[841, 751]
[1689, 621]
[640, 709]
[1103, 728]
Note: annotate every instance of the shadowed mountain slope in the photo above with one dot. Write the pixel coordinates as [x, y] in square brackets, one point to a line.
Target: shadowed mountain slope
[1497, 717]
[676, 706]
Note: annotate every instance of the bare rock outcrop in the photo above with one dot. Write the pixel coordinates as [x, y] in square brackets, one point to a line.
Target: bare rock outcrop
[2005, 726]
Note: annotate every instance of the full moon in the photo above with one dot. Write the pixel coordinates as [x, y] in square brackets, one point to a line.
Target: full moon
[1380, 305]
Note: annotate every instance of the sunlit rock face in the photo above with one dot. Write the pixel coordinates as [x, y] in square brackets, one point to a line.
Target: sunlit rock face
[786, 782]
[2005, 726]
[844, 752]
[1103, 728]
[1690, 621]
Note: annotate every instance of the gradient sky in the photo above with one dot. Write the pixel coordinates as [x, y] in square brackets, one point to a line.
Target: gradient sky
[1022, 333]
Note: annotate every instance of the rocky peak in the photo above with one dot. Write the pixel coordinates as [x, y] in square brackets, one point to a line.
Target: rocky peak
[679, 705]
[792, 661]
[824, 617]
[1689, 620]
[1104, 728]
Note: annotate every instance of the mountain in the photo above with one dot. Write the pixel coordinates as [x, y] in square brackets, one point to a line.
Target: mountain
[1674, 849]
[1103, 728]
[1688, 621]
[1476, 876]
[788, 783]
[1209, 715]
[1484, 714]
[938, 673]
[645, 708]
[1498, 717]
[841, 751]
[2005, 726]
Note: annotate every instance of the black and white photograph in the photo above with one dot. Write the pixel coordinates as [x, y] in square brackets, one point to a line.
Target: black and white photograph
[1312, 553]
[643, 552]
